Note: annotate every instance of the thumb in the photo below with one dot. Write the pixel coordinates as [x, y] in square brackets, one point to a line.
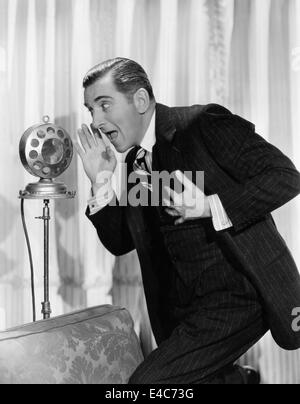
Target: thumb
[109, 151]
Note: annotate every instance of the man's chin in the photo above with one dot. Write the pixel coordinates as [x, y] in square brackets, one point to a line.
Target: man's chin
[121, 148]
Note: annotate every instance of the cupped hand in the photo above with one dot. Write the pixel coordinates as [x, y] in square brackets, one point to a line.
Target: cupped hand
[96, 157]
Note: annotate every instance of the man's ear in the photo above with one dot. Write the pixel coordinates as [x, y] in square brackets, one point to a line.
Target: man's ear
[141, 100]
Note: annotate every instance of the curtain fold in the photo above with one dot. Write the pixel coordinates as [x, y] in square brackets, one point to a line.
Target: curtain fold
[242, 54]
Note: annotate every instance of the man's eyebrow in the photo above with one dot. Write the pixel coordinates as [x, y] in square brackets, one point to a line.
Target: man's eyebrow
[98, 99]
[101, 97]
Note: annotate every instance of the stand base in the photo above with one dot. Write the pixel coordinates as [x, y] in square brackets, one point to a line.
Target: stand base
[46, 189]
[46, 310]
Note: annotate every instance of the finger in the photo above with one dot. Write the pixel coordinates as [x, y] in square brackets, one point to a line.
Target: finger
[97, 133]
[167, 202]
[185, 181]
[83, 140]
[98, 136]
[177, 198]
[172, 212]
[89, 136]
[170, 193]
[179, 176]
[179, 221]
[78, 149]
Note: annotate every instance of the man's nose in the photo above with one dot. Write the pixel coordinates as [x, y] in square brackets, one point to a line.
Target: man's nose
[98, 120]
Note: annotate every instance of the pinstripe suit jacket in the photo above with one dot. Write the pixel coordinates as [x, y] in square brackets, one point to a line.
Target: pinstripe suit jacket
[252, 179]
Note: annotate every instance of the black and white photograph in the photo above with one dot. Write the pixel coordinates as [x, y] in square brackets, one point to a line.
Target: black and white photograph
[149, 194]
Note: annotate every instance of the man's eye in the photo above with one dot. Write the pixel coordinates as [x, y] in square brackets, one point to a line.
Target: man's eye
[105, 106]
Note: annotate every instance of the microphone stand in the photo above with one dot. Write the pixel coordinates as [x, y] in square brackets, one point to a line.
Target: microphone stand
[46, 151]
[46, 190]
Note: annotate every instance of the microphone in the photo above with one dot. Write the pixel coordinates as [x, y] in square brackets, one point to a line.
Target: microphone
[46, 151]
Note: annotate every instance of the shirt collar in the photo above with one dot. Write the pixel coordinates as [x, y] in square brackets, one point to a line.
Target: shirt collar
[149, 139]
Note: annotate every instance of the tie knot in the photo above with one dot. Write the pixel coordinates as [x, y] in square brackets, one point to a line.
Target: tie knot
[142, 166]
[143, 160]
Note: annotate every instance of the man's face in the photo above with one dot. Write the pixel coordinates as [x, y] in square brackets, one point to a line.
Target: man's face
[113, 113]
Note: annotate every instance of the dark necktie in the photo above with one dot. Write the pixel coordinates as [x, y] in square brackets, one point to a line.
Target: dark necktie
[142, 166]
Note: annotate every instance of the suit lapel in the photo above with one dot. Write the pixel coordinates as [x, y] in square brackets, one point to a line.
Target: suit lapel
[166, 155]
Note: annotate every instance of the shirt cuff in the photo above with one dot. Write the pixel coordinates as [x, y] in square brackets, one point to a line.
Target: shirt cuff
[104, 194]
[220, 218]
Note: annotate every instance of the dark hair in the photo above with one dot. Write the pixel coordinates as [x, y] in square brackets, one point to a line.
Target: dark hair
[128, 76]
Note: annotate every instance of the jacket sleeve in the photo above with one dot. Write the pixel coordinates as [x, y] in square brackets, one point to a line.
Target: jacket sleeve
[111, 225]
[265, 179]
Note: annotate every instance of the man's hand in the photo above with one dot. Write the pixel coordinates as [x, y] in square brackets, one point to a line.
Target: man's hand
[191, 204]
[95, 156]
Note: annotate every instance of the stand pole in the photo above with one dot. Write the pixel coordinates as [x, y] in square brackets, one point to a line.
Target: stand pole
[46, 307]
[45, 190]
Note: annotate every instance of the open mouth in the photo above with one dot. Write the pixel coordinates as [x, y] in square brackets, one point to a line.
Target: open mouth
[112, 135]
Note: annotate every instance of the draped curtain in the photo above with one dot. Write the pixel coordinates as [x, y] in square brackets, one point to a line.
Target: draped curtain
[242, 54]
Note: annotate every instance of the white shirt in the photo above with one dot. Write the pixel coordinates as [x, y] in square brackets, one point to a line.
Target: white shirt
[220, 218]
[149, 139]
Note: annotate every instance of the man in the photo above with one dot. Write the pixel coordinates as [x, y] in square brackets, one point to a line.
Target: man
[216, 275]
